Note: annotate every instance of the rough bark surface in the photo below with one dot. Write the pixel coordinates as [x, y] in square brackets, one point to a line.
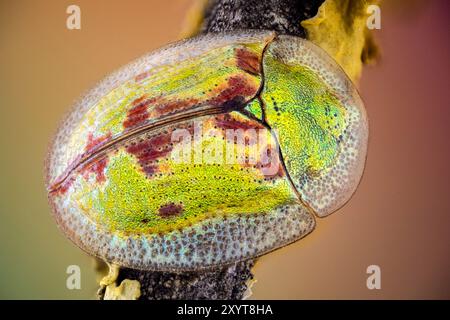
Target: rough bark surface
[283, 16]
[222, 283]
[230, 282]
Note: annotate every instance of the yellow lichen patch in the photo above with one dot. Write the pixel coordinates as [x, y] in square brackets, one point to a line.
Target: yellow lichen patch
[127, 290]
[340, 29]
[111, 277]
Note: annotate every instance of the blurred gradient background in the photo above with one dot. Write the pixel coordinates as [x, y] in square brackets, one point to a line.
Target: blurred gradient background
[398, 219]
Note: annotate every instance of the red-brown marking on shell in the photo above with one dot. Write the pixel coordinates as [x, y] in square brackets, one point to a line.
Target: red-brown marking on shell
[168, 107]
[141, 76]
[138, 114]
[266, 170]
[93, 143]
[238, 128]
[139, 100]
[63, 187]
[233, 95]
[97, 166]
[248, 61]
[226, 121]
[149, 150]
[272, 159]
[170, 210]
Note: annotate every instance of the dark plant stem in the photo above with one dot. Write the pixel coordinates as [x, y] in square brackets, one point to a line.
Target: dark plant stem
[282, 16]
[222, 283]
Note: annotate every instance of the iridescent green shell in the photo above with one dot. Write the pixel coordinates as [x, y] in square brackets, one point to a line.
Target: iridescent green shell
[269, 129]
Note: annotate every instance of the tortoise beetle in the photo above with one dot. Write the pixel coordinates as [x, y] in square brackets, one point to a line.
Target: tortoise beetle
[210, 151]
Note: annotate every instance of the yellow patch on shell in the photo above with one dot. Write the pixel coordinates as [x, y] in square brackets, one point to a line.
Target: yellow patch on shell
[346, 21]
